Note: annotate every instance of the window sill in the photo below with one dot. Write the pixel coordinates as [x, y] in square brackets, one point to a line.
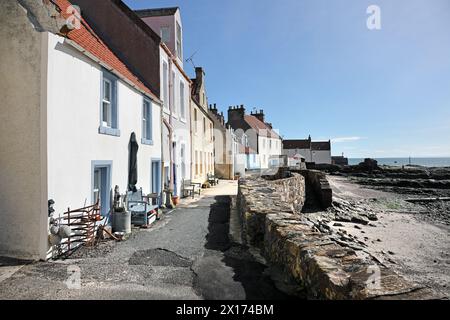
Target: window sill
[147, 142]
[109, 131]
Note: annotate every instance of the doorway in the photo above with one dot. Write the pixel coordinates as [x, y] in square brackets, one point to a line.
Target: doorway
[156, 176]
[101, 185]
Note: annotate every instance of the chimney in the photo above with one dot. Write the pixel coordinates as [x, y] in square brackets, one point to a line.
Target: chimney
[199, 73]
[236, 113]
[259, 115]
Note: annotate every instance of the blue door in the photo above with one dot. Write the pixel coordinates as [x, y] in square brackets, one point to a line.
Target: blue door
[156, 176]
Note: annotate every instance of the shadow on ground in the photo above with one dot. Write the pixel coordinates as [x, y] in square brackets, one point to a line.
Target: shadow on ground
[253, 275]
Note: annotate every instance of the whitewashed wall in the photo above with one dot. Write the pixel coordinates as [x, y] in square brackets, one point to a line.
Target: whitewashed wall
[74, 90]
[266, 149]
[181, 126]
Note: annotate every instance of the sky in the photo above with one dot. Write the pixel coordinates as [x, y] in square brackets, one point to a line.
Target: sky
[316, 69]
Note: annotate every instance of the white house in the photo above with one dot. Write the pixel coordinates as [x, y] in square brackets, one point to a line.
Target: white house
[263, 145]
[175, 94]
[69, 108]
[318, 152]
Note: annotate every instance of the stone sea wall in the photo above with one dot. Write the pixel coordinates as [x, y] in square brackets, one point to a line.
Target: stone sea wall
[320, 186]
[258, 197]
[320, 267]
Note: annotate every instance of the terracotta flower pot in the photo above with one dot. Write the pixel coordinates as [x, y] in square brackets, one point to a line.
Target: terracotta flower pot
[176, 200]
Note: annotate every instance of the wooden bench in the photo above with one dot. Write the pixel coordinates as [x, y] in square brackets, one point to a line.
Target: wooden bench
[212, 180]
[190, 188]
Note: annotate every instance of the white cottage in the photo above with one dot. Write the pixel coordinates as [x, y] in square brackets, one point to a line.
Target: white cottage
[68, 110]
[318, 152]
[175, 94]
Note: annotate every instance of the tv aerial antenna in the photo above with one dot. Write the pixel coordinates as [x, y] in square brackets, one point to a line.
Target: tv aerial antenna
[191, 59]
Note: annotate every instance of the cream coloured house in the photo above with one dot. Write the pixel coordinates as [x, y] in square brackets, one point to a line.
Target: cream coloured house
[202, 128]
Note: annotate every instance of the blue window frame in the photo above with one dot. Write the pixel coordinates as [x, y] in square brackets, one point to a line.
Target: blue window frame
[147, 134]
[109, 113]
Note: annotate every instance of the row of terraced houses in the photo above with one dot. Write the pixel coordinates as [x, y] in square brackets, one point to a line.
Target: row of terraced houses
[79, 79]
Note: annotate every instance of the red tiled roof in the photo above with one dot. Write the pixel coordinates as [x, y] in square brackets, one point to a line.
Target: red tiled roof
[86, 38]
[260, 127]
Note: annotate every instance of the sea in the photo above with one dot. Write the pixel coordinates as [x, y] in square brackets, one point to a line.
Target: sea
[426, 162]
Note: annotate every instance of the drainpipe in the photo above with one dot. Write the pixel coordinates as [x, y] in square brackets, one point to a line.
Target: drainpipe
[191, 133]
[171, 100]
[161, 178]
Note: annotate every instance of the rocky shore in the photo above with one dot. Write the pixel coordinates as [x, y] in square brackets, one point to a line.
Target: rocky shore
[427, 189]
[399, 216]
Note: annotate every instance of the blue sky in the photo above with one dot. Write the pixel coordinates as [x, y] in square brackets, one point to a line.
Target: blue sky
[315, 68]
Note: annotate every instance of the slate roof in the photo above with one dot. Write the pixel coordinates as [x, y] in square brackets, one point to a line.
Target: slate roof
[159, 12]
[297, 144]
[320, 145]
[86, 38]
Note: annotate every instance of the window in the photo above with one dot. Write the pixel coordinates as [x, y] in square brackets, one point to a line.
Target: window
[165, 85]
[182, 106]
[179, 43]
[204, 125]
[107, 103]
[270, 143]
[165, 34]
[195, 121]
[108, 112]
[196, 162]
[183, 160]
[264, 143]
[147, 122]
[211, 131]
[211, 162]
[174, 104]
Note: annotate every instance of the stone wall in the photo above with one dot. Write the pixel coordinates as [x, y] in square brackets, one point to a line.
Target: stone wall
[320, 266]
[258, 197]
[319, 185]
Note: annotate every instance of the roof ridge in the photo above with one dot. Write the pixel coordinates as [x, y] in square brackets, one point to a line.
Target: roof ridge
[101, 51]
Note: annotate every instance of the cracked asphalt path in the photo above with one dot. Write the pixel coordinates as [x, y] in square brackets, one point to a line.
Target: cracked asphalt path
[188, 254]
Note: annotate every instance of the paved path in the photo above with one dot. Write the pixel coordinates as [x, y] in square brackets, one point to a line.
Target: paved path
[189, 254]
